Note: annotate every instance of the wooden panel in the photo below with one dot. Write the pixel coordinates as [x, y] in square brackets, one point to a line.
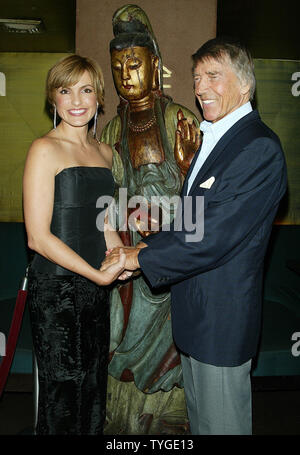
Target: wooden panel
[180, 27]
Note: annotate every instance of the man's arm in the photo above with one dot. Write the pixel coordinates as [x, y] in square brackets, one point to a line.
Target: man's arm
[253, 186]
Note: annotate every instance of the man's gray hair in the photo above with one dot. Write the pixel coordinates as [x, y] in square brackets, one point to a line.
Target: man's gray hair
[239, 58]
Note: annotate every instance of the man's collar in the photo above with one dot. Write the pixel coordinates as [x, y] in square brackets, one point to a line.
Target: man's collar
[219, 128]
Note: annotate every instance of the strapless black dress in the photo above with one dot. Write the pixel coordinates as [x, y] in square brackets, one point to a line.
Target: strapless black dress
[70, 314]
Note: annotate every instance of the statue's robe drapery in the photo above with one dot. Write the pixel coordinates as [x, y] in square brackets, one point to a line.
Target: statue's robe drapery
[142, 344]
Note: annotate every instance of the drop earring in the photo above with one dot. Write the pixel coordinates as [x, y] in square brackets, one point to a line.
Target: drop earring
[54, 117]
[95, 122]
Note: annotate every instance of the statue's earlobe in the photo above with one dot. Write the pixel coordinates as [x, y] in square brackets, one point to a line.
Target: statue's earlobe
[155, 81]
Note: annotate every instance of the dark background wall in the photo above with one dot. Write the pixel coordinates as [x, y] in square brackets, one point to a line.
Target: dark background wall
[269, 28]
[58, 25]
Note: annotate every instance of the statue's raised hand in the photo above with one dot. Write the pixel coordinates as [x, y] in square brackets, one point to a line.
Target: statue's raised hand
[187, 141]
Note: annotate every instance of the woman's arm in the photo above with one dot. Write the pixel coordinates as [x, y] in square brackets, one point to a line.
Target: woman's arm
[111, 236]
[38, 197]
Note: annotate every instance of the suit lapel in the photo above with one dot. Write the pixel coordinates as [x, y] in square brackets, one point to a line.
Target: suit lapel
[219, 148]
[185, 183]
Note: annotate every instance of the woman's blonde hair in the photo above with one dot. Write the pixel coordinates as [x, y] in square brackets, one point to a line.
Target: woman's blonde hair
[67, 72]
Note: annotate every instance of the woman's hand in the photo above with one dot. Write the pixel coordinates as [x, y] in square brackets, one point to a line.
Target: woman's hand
[131, 262]
[112, 271]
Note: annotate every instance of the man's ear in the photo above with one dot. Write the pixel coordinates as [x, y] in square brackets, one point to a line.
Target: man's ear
[155, 81]
[245, 88]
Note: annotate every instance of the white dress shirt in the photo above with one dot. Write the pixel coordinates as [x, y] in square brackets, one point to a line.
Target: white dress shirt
[212, 133]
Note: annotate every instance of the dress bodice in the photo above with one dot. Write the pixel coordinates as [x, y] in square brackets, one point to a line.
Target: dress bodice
[75, 214]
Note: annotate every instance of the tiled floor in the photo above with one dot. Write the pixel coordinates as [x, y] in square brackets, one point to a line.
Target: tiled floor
[274, 413]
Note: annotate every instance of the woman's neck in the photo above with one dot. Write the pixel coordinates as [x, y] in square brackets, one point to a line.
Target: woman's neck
[77, 134]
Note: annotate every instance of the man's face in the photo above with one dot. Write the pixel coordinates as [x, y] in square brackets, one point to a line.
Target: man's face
[133, 69]
[218, 89]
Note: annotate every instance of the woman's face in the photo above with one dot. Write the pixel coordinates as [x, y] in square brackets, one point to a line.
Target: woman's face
[133, 70]
[76, 105]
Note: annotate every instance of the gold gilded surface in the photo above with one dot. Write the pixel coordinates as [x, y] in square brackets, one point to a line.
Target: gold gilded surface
[145, 147]
[133, 71]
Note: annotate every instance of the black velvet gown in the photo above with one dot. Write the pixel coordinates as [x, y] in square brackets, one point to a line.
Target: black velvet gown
[70, 314]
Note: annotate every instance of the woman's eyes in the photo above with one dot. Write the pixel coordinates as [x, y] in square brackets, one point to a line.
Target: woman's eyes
[65, 91]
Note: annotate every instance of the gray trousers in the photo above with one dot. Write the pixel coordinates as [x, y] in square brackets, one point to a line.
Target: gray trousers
[218, 399]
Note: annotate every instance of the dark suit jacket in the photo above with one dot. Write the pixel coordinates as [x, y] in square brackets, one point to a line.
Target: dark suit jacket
[216, 283]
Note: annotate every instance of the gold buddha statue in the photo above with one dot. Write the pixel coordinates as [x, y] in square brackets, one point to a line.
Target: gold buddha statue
[154, 141]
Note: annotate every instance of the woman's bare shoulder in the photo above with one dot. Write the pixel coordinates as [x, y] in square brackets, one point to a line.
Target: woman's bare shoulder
[44, 150]
[43, 143]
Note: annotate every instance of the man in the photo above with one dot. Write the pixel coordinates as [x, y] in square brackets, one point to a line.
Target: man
[216, 282]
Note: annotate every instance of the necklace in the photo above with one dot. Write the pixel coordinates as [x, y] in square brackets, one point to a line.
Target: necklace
[140, 127]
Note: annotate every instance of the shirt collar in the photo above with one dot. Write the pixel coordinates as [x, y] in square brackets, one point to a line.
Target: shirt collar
[219, 128]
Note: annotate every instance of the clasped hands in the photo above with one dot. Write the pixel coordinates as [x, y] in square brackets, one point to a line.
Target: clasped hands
[131, 263]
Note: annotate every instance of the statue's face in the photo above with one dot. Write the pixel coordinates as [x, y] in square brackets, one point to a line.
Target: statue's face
[133, 71]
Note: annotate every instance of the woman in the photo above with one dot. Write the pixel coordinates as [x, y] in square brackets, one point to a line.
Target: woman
[66, 171]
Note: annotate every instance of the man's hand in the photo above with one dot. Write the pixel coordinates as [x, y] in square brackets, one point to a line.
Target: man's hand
[131, 262]
[112, 271]
[187, 141]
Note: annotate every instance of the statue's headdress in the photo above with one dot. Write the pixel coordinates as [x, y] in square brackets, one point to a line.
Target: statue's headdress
[132, 27]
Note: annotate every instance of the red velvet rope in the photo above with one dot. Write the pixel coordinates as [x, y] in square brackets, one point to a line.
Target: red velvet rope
[12, 338]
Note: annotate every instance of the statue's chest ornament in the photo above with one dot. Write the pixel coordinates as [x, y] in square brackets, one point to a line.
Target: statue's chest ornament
[144, 141]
